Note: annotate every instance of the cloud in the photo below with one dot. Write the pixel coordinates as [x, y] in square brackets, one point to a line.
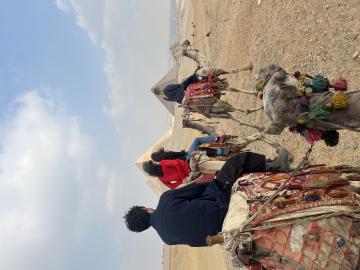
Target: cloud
[134, 36]
[62, 5]
[89, 15]
[53, 190]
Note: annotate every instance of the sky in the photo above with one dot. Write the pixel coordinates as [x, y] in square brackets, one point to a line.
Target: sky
[75, 113]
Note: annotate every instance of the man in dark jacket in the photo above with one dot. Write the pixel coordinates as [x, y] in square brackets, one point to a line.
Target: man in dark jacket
[188, 214]
[176, 92]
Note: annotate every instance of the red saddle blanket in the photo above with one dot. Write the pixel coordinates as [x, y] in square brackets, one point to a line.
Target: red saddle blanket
[314, 224]
[203, 88]
[309, 188]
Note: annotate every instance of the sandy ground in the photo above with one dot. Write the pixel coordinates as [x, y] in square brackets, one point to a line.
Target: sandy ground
[311, 36]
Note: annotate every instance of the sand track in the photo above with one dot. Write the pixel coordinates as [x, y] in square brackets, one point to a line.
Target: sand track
[312, 36]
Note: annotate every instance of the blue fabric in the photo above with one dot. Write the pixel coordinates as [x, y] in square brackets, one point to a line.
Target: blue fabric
[176, 92]
[187, 215]
[197, 142]
[268, 166]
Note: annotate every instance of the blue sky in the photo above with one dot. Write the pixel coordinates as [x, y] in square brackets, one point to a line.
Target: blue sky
[76, 112]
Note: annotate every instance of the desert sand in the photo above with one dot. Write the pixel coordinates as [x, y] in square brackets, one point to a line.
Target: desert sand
[311, 36]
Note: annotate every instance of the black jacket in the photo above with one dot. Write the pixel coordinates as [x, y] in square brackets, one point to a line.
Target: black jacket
[188, 214]
[176, 92]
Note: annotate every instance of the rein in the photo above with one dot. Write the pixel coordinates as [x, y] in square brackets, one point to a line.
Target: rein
[300, 165]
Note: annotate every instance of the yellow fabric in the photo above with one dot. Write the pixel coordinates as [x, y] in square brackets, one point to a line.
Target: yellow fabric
[339, 100]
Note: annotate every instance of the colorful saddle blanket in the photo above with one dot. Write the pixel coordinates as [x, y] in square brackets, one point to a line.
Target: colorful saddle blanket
[312, 187]
[201, 89]
[313, 224]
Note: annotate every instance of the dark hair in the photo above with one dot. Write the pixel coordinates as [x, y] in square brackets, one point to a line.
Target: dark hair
[137, 219]
[152, 168]
[161, 154]
[157, 91]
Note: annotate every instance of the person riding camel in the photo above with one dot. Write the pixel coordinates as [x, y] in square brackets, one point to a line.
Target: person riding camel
[170, 172]
[176, 92]
[162, 154]
[172, 167]
[189, 214]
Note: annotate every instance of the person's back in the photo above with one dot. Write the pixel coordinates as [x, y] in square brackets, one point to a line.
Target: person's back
[176, 92]
[189, 214]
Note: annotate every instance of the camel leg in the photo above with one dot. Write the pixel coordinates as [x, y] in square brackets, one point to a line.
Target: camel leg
[240, 111]
[237, 70]
[202, 61]
[230, 137]
[260, 129]
[220, 115]
[219, 71]
[202, 128]
[215, 72]
[248, 111]
[245, 141]
[274, 128]
[229, 116]
[275, 145]
[232, 89]
[260, 137]
[254, 110]
[206, 122]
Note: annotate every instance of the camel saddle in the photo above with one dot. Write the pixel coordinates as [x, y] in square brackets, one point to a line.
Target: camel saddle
[314, 223]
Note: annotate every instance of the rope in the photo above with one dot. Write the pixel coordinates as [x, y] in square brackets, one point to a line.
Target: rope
[297, 221]
[300, 165]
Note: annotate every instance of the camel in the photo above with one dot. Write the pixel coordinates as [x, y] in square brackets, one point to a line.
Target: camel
[201, 163]
[289, 101]
[211, 105]
[312, 222]
[309, 105]
[206, 126]
[210, 165]
[282, 105]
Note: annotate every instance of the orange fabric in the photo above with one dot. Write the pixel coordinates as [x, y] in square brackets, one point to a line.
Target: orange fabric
[320, 249]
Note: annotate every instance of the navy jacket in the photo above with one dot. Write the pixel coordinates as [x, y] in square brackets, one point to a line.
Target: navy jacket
[176, 92]
[187, 215]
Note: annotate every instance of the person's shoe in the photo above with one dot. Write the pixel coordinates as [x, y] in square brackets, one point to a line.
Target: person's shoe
[281, 163]
[221, 136]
